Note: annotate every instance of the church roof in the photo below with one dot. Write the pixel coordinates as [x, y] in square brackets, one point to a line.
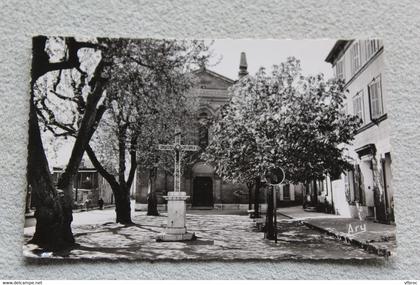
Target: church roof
[213, 74]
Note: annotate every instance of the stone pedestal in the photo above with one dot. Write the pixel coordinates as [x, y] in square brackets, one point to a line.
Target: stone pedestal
[175, 229]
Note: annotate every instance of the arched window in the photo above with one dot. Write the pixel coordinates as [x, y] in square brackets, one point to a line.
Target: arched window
[203, 129]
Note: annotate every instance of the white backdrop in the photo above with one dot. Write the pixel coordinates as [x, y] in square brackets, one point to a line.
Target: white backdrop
[397, 22]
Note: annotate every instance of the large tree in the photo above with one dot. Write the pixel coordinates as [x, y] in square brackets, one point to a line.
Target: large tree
[146, 97]
[143, 78]
[54, 204]
[283, 119]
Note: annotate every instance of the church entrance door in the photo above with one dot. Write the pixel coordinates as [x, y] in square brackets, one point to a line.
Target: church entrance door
[202, 192]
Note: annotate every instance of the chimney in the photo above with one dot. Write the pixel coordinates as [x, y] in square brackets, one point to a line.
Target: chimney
[243, 66]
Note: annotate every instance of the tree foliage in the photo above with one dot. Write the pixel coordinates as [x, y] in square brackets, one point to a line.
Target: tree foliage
[73, 83]
[282, 119]
[146, 98]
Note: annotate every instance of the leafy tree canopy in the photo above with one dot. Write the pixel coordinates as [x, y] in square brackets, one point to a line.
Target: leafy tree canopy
[282, 119]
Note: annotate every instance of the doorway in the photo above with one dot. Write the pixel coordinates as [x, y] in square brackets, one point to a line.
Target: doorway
[202, 192]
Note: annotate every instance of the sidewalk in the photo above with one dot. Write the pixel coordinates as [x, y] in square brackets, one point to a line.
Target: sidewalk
[373, 237]
[31, 214]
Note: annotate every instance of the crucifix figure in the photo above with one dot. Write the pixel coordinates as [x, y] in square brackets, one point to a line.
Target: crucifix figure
[179, 151]
[175, 229]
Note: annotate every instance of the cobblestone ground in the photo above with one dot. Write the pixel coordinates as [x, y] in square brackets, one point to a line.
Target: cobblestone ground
[220, 237]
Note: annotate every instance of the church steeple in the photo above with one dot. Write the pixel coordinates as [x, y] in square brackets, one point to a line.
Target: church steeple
[243, 66]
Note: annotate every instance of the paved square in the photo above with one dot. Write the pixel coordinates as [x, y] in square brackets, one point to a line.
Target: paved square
[220, 237]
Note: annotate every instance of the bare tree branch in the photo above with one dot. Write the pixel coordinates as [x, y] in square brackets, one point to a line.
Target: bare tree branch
[105, 174]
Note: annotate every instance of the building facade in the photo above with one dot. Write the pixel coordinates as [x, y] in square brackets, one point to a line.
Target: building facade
[366, 192]
[290, 194]
[205, 188]
[88, 184]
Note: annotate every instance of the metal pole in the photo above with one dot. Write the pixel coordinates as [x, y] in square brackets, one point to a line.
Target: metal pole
[275, 213]
[270, 212]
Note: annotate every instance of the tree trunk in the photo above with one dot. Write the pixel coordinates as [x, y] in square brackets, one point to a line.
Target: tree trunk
[249, 185]
[122, 197]
[269, 224]
[54, 208]
[121, 191]
[305, 195]
[51, 232]
[122, 205]
[257, 198]
[84, 134]
[152, 198]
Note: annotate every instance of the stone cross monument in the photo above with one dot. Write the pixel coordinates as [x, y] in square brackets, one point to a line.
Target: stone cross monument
[175, 229]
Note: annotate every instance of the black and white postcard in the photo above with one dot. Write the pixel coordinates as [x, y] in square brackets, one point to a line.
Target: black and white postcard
[164, 149]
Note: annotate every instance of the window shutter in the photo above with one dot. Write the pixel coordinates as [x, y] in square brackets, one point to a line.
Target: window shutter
[357, 183]
[375, 99]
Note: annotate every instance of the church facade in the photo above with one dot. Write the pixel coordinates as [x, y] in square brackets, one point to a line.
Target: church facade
[199, 180]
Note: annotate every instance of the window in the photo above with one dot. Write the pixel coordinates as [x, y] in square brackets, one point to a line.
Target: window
[355, 57]
[86, 180]
[203, 129]
[286, 192]
[354, 187]
[372, 46]
[340, 69]
[358, 105]
[375, 98]
[348, 186]
[358, 187]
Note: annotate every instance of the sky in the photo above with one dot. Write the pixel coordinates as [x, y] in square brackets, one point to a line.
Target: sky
[266, 53]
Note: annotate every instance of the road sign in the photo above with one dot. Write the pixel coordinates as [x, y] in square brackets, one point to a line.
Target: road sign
[274, 176]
